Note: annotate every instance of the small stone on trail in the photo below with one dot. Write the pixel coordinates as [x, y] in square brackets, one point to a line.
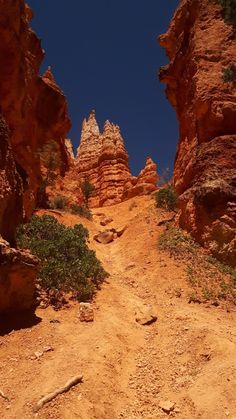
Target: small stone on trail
[86, 313]
[55, 321]
[38, 354]
[145, 315]
[106, 220]
[104, 237]
[120, 231]
[48, 349]
[167, 406]
[130, 266]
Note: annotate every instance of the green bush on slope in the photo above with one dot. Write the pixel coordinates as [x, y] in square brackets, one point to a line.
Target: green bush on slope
[229, 11]
[229, 74]
[166, 198]
[209, 278]
[82, 210]
[67, 264]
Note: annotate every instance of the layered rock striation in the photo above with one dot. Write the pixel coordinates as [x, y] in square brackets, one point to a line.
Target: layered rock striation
[201, 47]
[102, 159]
[33, 111]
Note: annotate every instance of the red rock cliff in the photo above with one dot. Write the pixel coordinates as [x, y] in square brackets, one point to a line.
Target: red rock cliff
[33, 110]
[103, 159]
[200, 45]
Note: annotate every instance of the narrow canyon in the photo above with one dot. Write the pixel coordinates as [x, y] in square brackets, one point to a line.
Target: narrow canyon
[151, 328]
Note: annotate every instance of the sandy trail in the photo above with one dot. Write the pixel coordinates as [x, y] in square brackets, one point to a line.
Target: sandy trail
[188, 356]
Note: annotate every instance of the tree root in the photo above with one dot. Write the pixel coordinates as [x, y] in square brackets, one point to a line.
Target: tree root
[70, 383]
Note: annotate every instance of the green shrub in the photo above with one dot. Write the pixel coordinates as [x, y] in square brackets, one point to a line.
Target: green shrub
[166, 198]
[59, 202]
[67, 264]
[82, 210]
[210, 279]
[229, 74]
[229, 11]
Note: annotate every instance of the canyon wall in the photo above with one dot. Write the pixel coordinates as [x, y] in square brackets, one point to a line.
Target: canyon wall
[33, 111]
[201, 47]
[103, 160]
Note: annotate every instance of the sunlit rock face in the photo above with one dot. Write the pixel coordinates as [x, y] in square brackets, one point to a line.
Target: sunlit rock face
[200, 45]
[144, 184]
[103, 160]
[33, 111]
[34, 107]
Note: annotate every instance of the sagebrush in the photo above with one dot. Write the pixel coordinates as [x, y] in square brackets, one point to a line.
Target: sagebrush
[82, 210]
[67, 264]
[59, 202]
[210, 279]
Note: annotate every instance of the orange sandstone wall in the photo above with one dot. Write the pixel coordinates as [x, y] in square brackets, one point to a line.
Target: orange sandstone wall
[200, 45]
[34, 107]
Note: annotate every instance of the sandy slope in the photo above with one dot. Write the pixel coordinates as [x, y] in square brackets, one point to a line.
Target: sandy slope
[188, 356]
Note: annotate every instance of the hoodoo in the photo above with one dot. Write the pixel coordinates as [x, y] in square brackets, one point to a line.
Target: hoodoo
[103, 159]
[200, 44]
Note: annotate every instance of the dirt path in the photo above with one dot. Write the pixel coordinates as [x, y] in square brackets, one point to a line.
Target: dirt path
[187, 357]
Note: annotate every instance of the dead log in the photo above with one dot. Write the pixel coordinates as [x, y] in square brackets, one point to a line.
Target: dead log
[70, 383]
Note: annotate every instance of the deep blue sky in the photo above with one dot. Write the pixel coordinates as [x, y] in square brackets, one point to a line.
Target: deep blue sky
[104, 55]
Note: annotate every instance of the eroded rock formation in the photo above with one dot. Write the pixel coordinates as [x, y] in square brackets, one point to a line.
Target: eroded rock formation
[103, 159]
[33, 110]
[200, 46]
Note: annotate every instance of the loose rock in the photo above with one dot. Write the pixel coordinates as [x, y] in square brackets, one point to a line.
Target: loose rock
[167, 406]
[106, 220]
[145, 315]
[86, 313]
[104, 237]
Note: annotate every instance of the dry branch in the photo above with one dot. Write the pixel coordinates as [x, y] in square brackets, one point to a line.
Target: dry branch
[70, 383]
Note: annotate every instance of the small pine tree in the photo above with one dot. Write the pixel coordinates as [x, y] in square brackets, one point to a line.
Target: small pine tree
[87, 189]
[229, 74]
[229, 11]
[50, 158]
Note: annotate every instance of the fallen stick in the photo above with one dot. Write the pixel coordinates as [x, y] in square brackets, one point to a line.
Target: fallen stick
[70, 383]
[3, 396]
